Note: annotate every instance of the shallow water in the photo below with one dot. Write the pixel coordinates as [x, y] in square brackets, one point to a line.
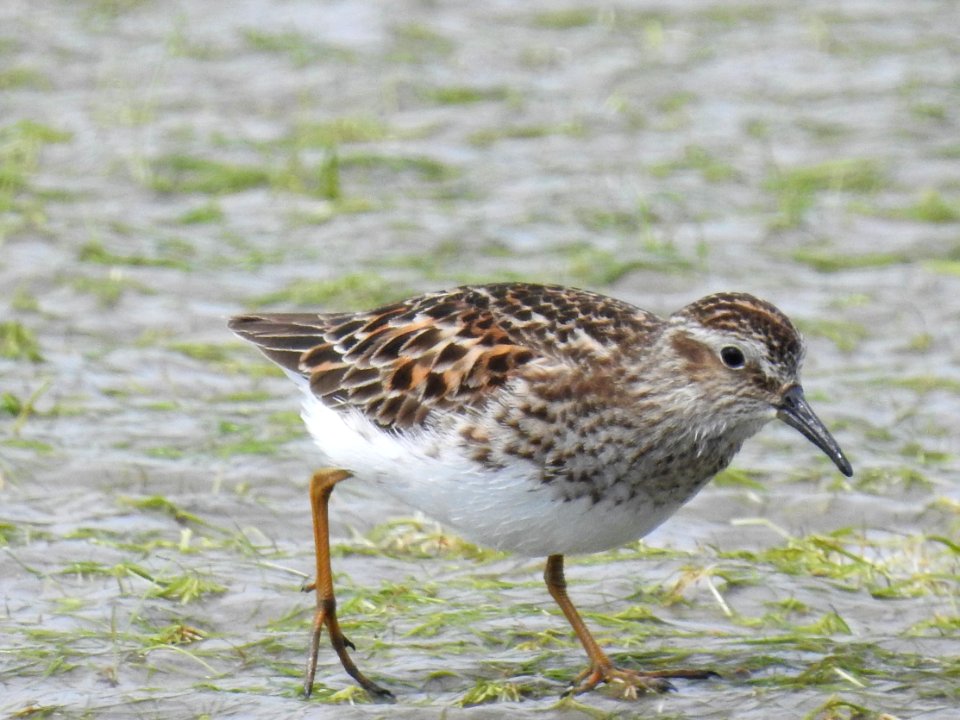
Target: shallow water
[153, 469]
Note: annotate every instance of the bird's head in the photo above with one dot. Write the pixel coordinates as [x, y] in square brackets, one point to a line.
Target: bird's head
[746, 355]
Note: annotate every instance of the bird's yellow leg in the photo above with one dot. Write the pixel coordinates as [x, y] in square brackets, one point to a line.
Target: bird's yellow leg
[321, 487]
[601, 669]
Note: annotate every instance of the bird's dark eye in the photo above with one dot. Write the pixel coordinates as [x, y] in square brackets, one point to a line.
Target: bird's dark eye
[732, 357]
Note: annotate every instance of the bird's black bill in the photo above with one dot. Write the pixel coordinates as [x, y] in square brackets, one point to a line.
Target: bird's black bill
[796, 412]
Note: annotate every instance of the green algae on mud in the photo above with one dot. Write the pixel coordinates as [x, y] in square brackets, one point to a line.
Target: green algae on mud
[18, 342]
[827, 261]
[700, 159]
[846, 335]
[300, 48]
[930, 207]
[796, 188]
[351, 291]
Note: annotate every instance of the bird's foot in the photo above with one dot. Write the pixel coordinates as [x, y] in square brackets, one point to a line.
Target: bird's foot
[629, 684]
[326, 617]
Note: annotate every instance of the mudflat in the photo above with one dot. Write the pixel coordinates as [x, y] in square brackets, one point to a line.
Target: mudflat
[164, 167]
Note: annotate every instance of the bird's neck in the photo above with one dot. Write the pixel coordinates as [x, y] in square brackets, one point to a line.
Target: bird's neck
[689, 420]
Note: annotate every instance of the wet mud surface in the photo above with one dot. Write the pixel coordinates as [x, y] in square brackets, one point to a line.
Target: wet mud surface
[166, 165]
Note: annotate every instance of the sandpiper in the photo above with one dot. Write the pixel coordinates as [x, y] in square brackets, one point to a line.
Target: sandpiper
[537, 419]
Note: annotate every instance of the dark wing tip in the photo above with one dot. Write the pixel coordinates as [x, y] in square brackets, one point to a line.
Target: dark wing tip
[283, 337]
[237, 322]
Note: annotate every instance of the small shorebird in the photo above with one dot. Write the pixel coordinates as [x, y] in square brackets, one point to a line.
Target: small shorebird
[538, 419]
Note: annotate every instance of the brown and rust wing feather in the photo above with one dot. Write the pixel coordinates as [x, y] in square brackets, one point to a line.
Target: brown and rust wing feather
[396, 363]
[447, 350]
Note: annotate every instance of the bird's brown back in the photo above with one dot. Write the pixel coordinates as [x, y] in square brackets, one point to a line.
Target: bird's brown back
[400, 363]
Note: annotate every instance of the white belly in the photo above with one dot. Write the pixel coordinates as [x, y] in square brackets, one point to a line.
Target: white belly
[507, 509]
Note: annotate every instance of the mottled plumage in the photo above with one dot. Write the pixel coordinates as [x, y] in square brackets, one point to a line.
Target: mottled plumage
[446, 350]
[541, 419]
